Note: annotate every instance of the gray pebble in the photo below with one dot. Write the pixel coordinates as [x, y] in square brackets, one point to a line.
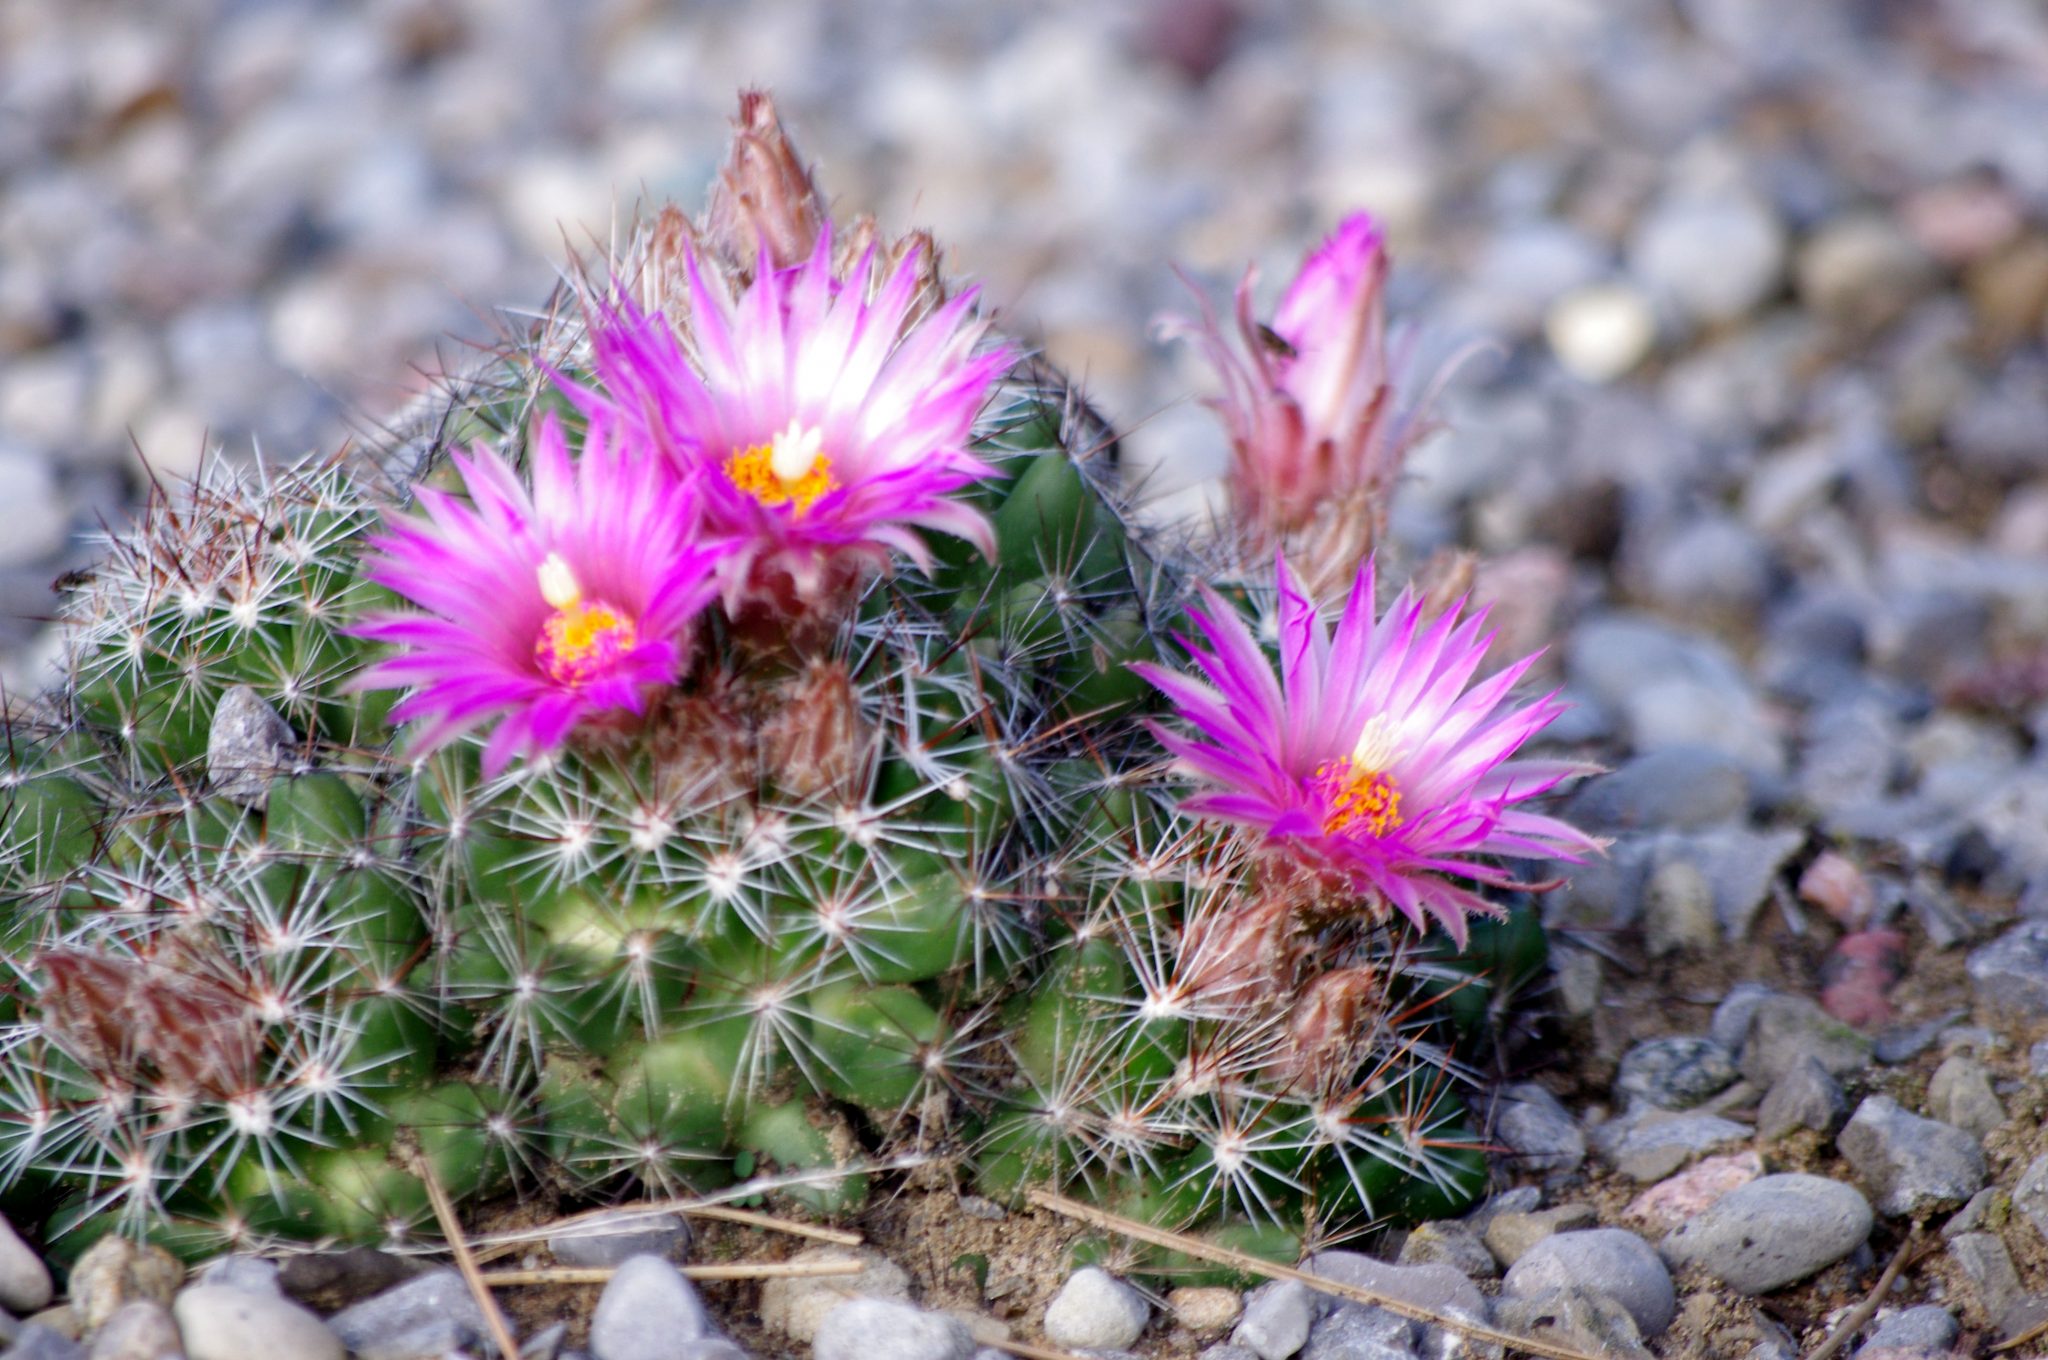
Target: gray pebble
[1903, 1043]
[1278, 1316]
[24, 1279]
[1772, 1232]
[1805, 1097]
[545, 1344]
[1672, 688]
[1509, 1235]
[1716, 255]
[218, 1323]
[1437, 1287]
[647, 1311]
[435, 1298]
[1354, 1331]
[1927, 1328]
[711, 1348]
[1652, 1145]
[1584, 1319]
[1452, 1242]
[248, 744]
[1679, 787]
[1911, 1166]
[37, 1342]
[1960, 1094]
[1674, 1073]
[252, 1273]
[1612, 1261]
[1788, 1028]
[1222, 1350]
[33, 521]
[139, 1330]
[605, 1240]
[2010, 975]
[2030, 1195]
[1712, 560]
[1736, 1015]
[1096, 1310]
[865, 1329]
[1678, 910]
[426, 1341]
[1537, 1129]
[1984, 1263]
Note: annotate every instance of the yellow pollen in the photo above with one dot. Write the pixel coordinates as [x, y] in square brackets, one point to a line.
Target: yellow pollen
[577, 642]
[1360, 794]
[582, 637]
[790, 469]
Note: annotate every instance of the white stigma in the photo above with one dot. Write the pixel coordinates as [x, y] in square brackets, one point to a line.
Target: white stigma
[558, 584]
[1376, 748]
[792, 453]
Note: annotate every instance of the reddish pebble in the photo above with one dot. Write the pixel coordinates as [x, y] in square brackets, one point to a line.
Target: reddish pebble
[1859, 974]
[1671, 1202]
[1835, 885]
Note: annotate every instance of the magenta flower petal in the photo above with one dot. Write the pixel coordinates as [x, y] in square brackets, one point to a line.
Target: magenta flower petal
[542, 609]
[1371, 755]
[823, 422]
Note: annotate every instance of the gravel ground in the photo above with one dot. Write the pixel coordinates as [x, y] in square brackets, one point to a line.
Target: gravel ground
[1759, 444]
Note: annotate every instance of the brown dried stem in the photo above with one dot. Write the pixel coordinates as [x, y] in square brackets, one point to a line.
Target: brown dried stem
[465, 1261]
[1252, 1265]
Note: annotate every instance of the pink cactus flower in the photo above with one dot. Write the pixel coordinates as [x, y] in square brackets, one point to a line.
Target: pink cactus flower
[1371, 758]
[1309, 405]
[827, 427]
[541, 610]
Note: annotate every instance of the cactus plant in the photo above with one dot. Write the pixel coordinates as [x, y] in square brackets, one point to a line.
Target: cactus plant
[753, 759]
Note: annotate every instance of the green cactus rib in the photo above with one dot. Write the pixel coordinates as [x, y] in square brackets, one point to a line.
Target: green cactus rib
[976, 933]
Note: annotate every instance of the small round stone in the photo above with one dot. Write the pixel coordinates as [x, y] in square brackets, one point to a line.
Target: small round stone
[24, 1279]
[1204, 1309]
[1772, 1232]
[1602, 332]
[220, 1323]
[1095, 1310]
[1674, 1073]
[1611, 1260]
[866, 1329]
[647, 1311]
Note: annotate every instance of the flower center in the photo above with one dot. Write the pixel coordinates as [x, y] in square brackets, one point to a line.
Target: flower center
[790, 469]
[1361, 791]
[582, 638]
[1359, 797]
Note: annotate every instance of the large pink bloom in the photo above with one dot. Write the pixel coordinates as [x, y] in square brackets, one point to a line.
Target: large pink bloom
[543, 609]
[827, 427]
[1368, 756]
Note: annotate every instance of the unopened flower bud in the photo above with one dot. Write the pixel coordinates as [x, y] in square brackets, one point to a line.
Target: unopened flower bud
[1309, 404]
[764, 202]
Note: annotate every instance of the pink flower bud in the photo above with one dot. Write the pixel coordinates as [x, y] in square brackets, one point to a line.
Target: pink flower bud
[1309, 404]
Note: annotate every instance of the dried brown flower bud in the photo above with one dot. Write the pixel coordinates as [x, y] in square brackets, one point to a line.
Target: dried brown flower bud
[812, 739]
[148, 1023]
[1331, 1019]
[764, 200]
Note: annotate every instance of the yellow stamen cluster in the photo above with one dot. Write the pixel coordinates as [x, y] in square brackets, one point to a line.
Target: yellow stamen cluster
[1359, 795]
[790, 469]
[1363, 790]
[582, 637]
